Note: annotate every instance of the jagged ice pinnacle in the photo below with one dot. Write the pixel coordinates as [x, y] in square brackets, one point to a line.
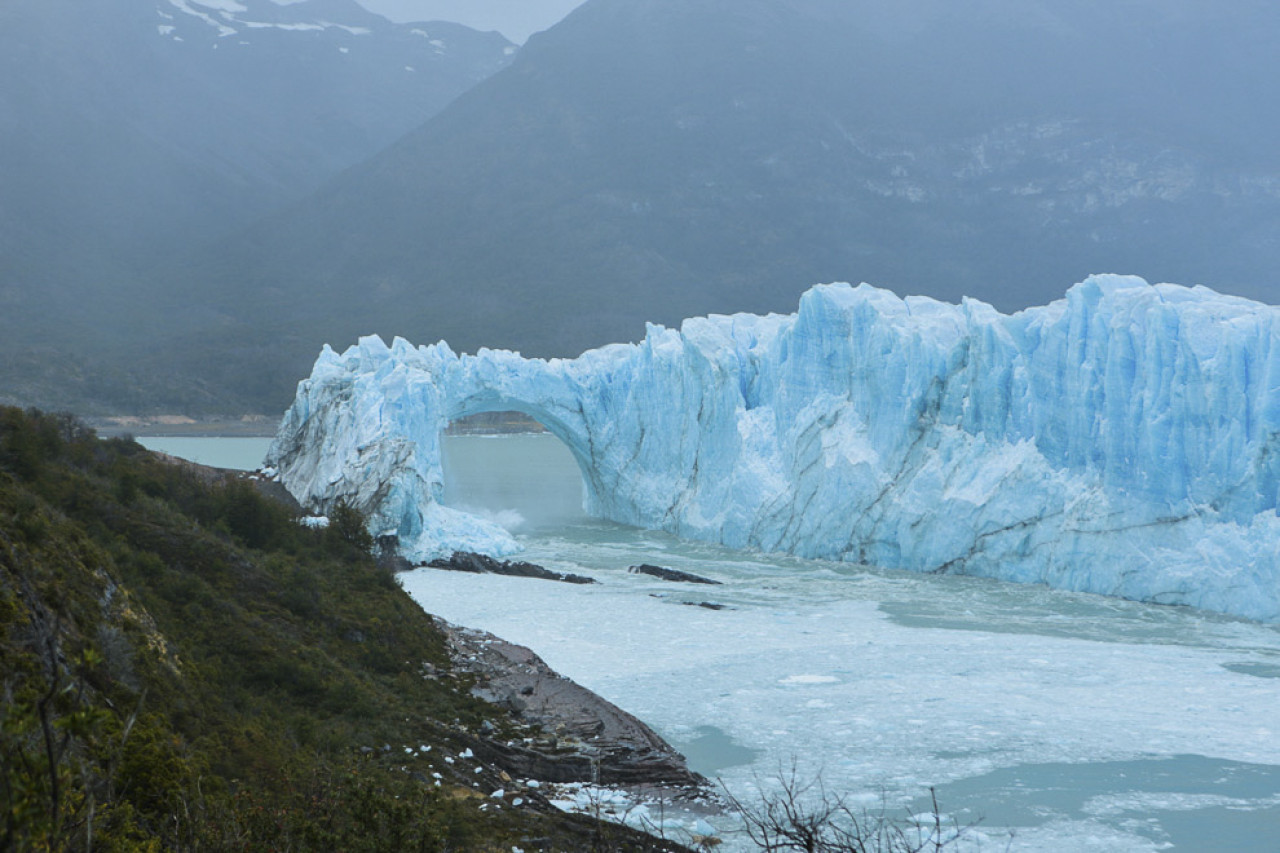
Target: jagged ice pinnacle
[1122, 440]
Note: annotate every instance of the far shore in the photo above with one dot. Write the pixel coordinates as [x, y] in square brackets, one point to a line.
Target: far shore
[264, 426]
[175, 426]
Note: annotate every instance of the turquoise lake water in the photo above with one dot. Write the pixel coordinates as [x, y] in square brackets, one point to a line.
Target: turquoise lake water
[241, 454]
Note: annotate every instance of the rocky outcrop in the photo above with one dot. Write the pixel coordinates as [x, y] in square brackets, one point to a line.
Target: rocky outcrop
[479, 564]
[577, 735]
[674, 575]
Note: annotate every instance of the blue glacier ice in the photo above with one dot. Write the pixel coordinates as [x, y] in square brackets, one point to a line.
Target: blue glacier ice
[1121, 440]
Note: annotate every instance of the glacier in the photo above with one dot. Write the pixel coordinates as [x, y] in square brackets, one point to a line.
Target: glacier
[1122, 440]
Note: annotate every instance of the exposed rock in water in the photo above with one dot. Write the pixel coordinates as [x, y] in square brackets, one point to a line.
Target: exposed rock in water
[669, 574]
[468, 561]
[709, 605]
[583, 738]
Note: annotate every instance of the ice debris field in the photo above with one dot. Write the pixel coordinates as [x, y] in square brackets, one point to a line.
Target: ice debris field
[1075, 722]
[1121, 440]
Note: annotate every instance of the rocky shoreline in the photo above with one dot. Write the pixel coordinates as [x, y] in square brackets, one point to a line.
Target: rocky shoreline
[568, 734]
[575, 735]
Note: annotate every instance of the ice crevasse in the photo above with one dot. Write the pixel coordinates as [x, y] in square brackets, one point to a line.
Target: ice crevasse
[1123, 440]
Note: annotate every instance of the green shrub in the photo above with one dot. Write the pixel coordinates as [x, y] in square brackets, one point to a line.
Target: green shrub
[349, 529]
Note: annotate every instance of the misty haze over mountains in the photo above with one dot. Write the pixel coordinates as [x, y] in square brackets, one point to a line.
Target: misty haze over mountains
[138, 129]
[644, 160]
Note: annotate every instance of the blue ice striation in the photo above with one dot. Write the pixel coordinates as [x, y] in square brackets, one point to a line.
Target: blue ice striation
[1122, 440]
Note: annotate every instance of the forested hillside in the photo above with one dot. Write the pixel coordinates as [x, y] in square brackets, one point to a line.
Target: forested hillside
[185, 667]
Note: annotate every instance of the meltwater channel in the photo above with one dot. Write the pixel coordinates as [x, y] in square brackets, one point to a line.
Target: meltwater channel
[1061, 721]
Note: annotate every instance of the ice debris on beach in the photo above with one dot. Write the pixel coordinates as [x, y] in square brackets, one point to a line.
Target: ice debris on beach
[631, 808]
[1123, 440]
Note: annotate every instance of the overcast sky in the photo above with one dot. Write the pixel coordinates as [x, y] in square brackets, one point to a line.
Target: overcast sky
[515, 19]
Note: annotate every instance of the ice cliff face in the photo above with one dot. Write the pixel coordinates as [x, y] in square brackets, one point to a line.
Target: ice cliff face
[1122, 440]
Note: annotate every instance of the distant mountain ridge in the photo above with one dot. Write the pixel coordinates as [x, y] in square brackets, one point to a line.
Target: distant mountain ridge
[657, 159]
[251, 103]
[649, 160]
[136, 129]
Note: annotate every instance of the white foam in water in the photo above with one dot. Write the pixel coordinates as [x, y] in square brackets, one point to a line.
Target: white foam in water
[889, 683]
[809, 679]
[508, 519]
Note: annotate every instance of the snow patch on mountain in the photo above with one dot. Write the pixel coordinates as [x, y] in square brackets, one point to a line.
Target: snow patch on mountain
[224, 6]
[261, 25]
[223, 29]
[264, 16]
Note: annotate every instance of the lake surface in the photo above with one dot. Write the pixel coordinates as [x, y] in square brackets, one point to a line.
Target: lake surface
[1074, 722]
[237, 453]
[1065, 722]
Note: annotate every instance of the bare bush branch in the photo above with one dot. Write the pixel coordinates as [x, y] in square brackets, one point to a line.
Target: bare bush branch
[802, 816]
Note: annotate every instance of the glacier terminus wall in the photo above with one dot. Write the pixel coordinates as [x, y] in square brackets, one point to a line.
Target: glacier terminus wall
[1122, 440]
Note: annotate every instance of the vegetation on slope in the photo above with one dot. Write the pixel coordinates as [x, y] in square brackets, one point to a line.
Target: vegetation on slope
[183, 666]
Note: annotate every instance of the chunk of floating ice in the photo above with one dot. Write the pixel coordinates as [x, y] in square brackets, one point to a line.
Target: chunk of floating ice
[809, 679]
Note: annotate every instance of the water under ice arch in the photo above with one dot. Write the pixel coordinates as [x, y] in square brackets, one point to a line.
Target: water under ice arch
[1124, 440]
[570, 440]
[528, 480]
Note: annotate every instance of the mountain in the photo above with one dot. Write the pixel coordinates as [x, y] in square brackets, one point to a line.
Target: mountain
[136, 129]
[656, 159]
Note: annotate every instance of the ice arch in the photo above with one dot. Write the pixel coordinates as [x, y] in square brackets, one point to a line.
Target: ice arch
[366, 427]
[1122, 440]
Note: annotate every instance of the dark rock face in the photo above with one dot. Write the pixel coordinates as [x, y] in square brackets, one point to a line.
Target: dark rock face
[669, 574]
[582, 737]
[389, 558]
[276, 492]
[468, 561]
